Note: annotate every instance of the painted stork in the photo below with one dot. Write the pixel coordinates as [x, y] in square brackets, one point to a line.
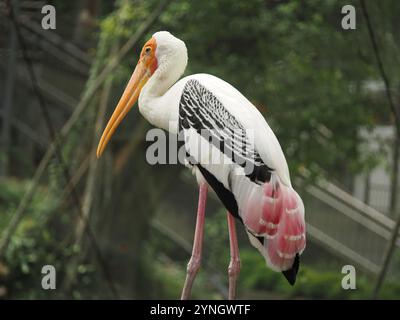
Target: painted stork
[262, 198]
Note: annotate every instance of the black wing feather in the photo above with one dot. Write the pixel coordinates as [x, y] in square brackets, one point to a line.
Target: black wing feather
[199, 109]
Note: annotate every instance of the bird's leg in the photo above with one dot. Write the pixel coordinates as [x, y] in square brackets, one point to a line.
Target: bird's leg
[234, 264]
[194, 262]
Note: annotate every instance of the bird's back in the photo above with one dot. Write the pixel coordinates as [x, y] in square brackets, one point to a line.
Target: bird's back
[264, 139]
[263, 198]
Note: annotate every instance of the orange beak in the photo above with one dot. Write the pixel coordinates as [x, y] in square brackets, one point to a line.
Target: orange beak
[143, 71]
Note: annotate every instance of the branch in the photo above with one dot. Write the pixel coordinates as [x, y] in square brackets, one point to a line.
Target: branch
[395, 111]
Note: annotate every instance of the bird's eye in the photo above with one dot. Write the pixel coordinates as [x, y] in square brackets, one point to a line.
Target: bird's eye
[147, 50]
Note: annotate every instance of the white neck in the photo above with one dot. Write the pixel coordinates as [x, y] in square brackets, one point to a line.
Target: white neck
[151, 103]
[162, 79]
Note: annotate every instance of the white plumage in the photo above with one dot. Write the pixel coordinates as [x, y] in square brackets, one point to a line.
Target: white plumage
[262, 199]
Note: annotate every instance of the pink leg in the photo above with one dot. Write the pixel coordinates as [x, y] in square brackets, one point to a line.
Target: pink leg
[234, 265]
[194, 262]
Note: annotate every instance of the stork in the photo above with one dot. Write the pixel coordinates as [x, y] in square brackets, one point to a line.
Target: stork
[251, 177]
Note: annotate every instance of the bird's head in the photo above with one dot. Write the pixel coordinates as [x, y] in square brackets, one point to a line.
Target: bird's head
[163, 58]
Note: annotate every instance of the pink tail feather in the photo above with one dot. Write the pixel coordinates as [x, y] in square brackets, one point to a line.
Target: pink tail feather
[276, 212]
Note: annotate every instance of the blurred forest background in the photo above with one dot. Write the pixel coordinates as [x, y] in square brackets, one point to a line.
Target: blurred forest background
[120, 228]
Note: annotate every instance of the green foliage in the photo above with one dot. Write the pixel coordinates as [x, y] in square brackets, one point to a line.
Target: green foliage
[313, 282]
[293, 61]
[32, 245]
[39, 240]
[257, 281]
[217, 239]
